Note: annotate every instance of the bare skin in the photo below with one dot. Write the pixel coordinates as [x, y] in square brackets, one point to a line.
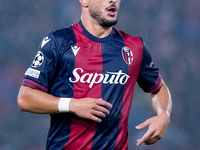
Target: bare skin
[35, 101]
[157, 125]
[105, 8]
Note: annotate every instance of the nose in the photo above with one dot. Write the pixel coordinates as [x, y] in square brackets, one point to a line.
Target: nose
[115, 2]
[112, 1]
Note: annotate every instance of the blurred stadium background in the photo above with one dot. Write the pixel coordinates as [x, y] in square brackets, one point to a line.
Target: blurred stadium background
[170, 28]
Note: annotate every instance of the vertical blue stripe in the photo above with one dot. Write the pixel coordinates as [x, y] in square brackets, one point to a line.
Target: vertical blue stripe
[60, 123]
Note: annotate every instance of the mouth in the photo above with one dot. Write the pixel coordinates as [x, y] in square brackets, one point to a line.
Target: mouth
[112, 10]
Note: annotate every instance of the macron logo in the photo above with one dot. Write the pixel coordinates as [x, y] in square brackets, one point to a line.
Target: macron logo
[45, 41]
[75, 49]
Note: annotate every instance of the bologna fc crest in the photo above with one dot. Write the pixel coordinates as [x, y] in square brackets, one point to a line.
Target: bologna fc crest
[127, 55]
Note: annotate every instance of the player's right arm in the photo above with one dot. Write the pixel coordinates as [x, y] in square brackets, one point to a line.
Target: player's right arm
[36, 101]
[33, 96]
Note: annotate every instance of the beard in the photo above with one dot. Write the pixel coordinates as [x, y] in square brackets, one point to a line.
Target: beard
[105, 23]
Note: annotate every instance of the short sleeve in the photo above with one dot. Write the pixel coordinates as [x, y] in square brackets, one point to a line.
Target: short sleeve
[40, 73]
[149, 78]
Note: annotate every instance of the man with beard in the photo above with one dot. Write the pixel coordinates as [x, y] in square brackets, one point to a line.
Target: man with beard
[84, 77]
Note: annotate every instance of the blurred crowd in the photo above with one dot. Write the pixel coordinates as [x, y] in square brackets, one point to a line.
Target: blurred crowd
[171, 30]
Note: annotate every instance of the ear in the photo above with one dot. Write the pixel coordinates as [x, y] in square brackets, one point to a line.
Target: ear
[84, 3]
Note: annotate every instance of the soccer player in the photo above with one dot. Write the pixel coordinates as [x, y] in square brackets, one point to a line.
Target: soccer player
[84, 77]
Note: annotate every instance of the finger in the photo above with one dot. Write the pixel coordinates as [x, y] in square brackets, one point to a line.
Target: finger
[99, 114]
[152, 141]
[154, 138]
[145, 137]
[104, 103]
[102, 109]
[142, 125]
[96, 119]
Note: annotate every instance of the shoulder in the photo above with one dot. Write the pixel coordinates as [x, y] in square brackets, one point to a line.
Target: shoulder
[62, 34]
[129, 37]
[62, 37]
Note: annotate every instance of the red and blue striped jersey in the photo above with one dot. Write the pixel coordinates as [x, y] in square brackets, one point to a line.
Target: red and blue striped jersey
[73, 63]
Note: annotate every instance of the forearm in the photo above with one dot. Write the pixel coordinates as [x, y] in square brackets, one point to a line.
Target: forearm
[35, 101]
[162, 102]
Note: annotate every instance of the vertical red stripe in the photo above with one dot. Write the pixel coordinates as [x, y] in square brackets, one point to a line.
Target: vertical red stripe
[126, 57]
[135, 45]
[89, 59]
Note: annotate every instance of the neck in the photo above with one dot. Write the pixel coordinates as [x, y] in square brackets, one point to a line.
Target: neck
[94, 28]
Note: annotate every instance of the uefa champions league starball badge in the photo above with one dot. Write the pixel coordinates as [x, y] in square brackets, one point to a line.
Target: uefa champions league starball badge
[38, 60]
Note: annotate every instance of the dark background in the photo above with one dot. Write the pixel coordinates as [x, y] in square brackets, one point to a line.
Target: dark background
[170, 28]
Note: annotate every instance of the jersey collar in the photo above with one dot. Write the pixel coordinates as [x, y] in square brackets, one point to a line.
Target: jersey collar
[94, 38]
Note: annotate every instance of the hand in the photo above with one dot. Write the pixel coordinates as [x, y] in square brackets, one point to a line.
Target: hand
[90, 108]
[157, 126]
